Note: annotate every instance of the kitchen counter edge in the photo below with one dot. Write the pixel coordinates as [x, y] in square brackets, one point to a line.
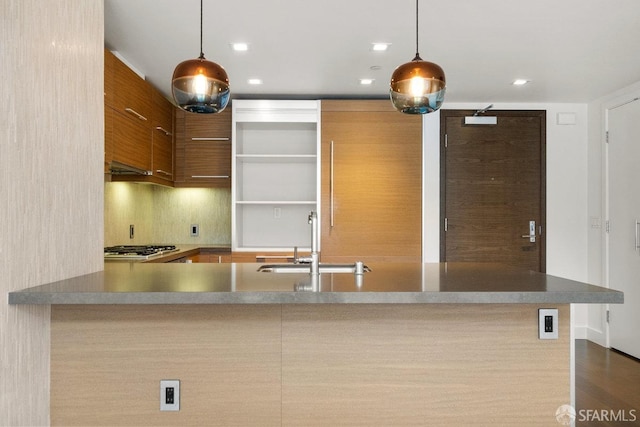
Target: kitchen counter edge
[303, 297]
[89, 289]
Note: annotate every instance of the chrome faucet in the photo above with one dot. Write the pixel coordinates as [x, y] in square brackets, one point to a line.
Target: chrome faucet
[314, 258]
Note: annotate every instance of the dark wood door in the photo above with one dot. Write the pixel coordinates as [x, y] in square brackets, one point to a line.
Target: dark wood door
[493, 188]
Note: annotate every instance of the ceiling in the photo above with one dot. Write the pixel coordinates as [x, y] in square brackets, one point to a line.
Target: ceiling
[570, 50]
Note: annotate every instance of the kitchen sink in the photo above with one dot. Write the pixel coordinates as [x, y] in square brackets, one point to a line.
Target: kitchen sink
[306, 268]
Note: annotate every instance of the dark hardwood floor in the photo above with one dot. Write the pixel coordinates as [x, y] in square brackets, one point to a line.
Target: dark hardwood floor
[607, 385]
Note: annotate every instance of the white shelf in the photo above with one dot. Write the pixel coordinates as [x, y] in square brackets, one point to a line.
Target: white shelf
[276, 173]
[275, 111]
[276, 202]
[277, 158]
[276, 138]
[266, 250]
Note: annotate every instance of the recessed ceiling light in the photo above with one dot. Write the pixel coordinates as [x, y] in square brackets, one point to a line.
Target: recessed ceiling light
[240, 47]
[520, 82]
[380, 47]
[254, 81]
[366, 82]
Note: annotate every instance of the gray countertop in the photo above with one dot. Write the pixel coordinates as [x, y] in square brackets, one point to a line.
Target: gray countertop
[387, 283]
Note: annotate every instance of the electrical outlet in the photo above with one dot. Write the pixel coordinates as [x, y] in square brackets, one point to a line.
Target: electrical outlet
[548, 323]
[131, 231]
[195, 230]
[170, 395]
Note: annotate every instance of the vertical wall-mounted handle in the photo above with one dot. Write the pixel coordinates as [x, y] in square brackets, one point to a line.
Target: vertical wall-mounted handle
[331, 185]
[637, 235]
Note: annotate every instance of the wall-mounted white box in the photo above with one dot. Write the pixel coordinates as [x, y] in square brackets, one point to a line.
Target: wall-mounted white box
[566, 118]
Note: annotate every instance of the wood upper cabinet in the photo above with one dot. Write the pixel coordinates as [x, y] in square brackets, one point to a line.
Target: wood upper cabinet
[203, 149]
[108, 138]
[132, 95]
[131, 142]
[162, 137]
[109, 60]
[138, 126]
[128, 121]
[109, 88]
[371, 182]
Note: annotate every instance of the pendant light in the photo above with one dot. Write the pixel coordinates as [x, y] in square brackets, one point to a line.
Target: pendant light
[200, 86]
[417, 87]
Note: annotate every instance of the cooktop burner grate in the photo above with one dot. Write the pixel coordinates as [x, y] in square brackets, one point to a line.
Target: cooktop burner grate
[137, 250]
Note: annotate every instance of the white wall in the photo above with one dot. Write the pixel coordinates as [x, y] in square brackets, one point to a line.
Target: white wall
[51, 160]
[567, 191]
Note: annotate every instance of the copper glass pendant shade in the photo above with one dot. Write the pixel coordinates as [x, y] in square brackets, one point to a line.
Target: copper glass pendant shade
[417, 87]
[200, 86]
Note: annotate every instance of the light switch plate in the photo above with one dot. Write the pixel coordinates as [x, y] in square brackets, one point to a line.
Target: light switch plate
[195, 230]
[170, 395]
[548, 323]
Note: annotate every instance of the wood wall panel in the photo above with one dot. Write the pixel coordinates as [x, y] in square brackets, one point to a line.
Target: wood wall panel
[421, 365]
[107, 363]
[295, 365]
[51, 181]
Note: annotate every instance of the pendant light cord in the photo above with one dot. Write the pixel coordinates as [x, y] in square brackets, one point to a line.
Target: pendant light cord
[417, 51]
[417, 58]
[201, 53]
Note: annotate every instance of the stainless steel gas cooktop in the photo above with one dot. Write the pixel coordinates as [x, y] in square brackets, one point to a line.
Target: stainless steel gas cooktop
[136, 252]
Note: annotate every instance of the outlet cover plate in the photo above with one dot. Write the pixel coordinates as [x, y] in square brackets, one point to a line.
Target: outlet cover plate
[166, 405]
[548, 328]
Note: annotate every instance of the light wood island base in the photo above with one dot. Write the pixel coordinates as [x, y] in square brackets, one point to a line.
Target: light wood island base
[294, 365]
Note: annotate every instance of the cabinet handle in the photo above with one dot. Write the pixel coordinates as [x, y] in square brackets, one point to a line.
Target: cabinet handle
[210, 176]
[637, 235]
[163, 130]
[160, 171]
[135, 113]
[209, 139]
[331, 185]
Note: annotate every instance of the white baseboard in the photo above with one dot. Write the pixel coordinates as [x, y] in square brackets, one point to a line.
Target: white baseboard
[586, 333]
[597, 336]
[580, 332]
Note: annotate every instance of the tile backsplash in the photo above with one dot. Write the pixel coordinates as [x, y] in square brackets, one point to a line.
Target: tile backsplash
[165, 215]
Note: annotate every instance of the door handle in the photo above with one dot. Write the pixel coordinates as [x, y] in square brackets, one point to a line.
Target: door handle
[532, 232]
[637, 235]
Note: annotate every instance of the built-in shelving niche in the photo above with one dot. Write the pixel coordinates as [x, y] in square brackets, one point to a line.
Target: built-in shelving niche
[276, 174]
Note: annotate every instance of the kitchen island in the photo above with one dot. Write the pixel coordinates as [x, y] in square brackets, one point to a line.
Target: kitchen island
[404, 344]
